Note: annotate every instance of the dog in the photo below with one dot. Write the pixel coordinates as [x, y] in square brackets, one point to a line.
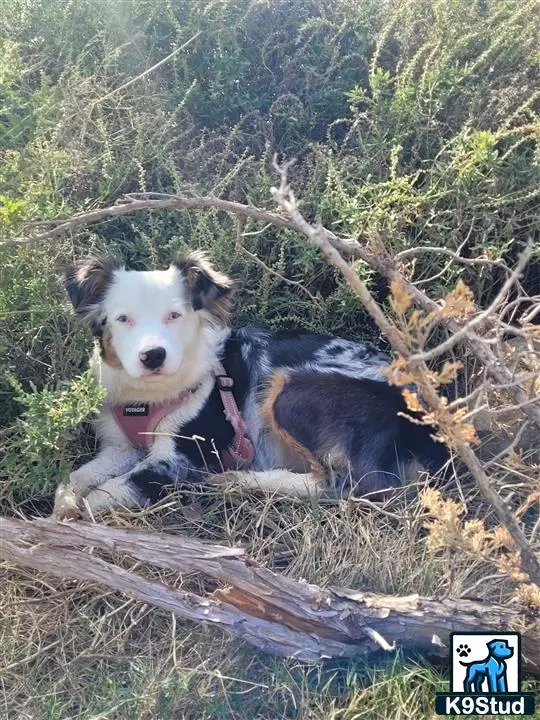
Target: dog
[492, 669]
[188, 397]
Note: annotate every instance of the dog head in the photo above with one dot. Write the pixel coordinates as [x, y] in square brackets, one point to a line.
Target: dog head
[500, 649]
[148, 322]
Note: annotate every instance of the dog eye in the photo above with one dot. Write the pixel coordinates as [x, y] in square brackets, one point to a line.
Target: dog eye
[122, 319]
[174, 315]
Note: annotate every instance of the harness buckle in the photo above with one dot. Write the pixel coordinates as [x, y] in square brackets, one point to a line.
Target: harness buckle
[224, 382]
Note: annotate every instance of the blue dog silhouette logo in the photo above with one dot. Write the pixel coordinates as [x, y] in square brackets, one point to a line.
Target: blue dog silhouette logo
[492, 669]
[485, 676]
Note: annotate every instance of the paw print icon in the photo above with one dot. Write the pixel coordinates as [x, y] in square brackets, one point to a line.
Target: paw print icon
[463, 650]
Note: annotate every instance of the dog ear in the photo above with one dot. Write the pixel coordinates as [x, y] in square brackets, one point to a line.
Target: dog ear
[208, 288]
[86, 282]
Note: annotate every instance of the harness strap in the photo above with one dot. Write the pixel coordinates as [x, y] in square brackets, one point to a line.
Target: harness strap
[138, 422]
[241, 453]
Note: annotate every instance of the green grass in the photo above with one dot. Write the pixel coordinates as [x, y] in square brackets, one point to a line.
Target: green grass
[413, 123]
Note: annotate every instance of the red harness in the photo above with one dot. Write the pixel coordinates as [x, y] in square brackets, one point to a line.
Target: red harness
[139, 422]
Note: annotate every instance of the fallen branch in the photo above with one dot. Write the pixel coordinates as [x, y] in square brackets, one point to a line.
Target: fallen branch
[272, 612]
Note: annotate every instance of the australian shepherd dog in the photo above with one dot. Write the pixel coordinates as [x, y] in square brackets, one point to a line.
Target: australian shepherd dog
[188, 397]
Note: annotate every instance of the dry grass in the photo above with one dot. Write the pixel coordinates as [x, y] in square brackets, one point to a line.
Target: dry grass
[70, 650]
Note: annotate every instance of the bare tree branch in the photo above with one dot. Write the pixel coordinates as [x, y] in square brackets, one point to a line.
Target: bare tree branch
[284, 197]
[486, 314]
[430, 249]
[148, 201]
[268, 636]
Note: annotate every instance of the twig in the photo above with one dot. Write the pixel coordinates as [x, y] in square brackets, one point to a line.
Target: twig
[481, 317]
[425, 281]
[508, 449]
[29, 658]
[318, 236]
[147, 72]
[146, 201]
[415, 251]
[241, 248]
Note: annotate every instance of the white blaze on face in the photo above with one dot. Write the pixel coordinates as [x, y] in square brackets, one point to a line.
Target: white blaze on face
[151, 321]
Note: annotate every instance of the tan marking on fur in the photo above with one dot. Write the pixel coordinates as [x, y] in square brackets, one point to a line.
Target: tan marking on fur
[108, 353]
[196, 264]
[275, 386]
[92, 275]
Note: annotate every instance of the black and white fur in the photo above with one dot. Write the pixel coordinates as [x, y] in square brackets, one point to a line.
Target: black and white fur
[318, 410]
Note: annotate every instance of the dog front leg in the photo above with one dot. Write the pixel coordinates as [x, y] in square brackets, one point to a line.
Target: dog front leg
[116, 456]
[143, 483]
[110, 462]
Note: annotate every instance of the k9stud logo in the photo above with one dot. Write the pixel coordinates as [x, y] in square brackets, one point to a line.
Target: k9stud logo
[485, 676]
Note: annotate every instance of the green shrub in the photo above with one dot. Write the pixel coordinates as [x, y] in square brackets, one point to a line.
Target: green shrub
[37, 453]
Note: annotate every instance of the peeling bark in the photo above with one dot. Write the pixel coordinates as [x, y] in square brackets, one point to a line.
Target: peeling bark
[275, 613]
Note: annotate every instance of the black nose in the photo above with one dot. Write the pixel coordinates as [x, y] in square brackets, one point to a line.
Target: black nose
[154, 358]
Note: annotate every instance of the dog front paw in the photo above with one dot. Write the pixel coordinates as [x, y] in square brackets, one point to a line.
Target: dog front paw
[113, 494]
[66, 506]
